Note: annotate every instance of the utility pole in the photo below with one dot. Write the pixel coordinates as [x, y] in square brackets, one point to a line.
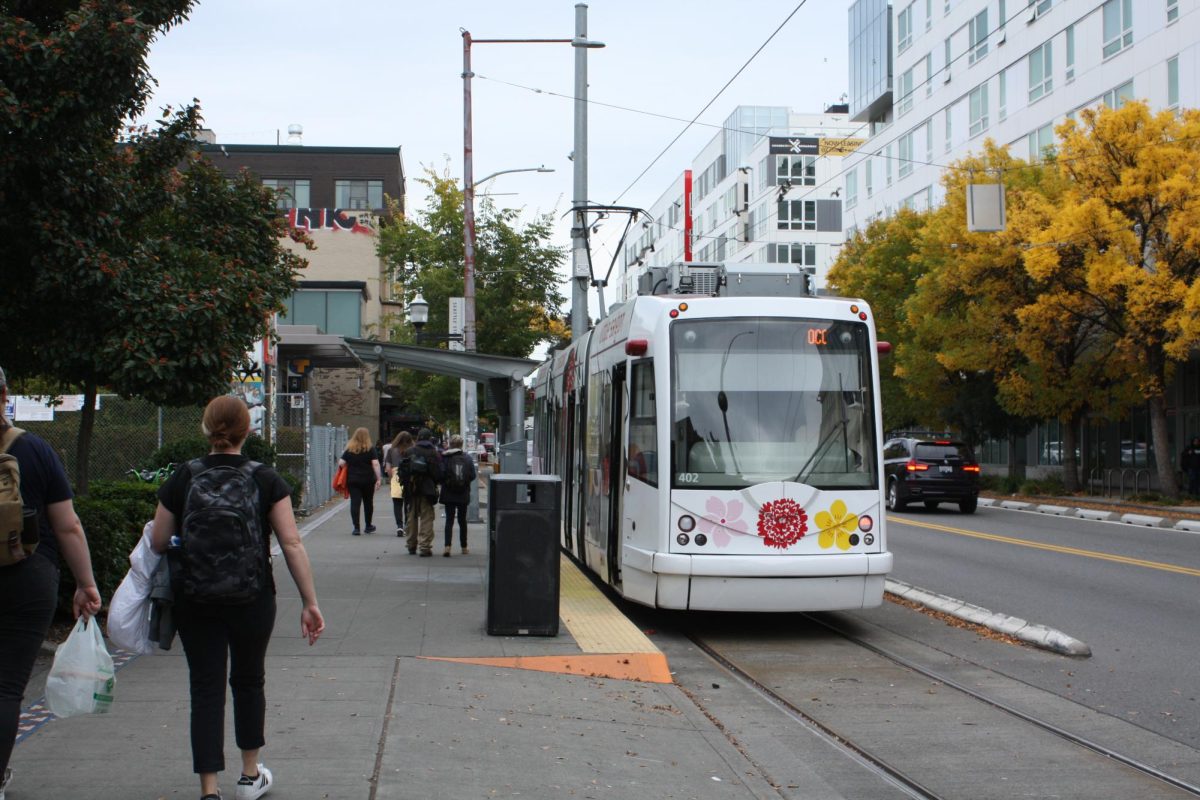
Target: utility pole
[580, 269]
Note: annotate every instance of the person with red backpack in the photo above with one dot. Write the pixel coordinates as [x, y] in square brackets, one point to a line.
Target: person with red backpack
[456, 492]
[213, 519]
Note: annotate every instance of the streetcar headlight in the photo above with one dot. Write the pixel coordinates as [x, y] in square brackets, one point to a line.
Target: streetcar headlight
[687, 523]
[865, 523]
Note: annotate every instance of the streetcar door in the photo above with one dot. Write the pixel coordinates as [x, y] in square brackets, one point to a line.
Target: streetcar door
[616, 472]
[566, 468]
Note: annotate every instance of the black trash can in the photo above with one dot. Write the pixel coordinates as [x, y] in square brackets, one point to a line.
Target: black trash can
[523, 560]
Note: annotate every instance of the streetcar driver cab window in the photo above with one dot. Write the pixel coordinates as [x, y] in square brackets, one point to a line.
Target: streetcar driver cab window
[642, 462]
[766, 399]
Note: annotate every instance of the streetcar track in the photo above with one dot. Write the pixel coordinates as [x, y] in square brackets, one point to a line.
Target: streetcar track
[880, 764]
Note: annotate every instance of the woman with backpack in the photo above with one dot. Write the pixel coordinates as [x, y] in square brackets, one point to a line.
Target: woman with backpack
[213, 519]
[395, 453]
[456, 492]
[363, 477]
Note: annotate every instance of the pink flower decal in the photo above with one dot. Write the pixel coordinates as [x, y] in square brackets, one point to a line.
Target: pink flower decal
[720, 518]
[782, 523]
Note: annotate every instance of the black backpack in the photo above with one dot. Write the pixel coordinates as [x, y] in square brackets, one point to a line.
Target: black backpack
[458, 474]
[221, 557]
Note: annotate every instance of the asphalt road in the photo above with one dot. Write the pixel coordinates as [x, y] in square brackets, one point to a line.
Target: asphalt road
[1131, 593]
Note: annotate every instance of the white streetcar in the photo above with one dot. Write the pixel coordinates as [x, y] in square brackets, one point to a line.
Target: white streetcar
[718, 439]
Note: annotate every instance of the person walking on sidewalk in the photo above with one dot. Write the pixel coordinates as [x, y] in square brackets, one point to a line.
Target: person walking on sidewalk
[29, 585]
[424, 466]
[218, 636]
[1189, 462]
[456, 492]
[399, 447]
[362, 477]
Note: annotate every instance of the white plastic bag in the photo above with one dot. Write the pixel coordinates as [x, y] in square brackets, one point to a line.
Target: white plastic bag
[129, 609]
[81, 679]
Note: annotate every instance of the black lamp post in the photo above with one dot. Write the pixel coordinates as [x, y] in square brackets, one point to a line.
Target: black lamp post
[418, 315]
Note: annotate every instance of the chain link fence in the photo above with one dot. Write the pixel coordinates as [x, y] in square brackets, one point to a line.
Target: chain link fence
[128, 432]
[125, 436]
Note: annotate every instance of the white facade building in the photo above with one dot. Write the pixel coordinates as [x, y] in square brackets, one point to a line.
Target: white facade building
[963, 71]
[766, 188]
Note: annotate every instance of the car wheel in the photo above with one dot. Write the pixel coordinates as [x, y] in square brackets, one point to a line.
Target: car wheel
[931, 504]
[968, 506]
[894, 503]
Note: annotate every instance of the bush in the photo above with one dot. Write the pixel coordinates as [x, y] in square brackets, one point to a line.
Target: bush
[113, 528]
[1001, 484]
[297, 487]
[180, 451]
[1052, 486]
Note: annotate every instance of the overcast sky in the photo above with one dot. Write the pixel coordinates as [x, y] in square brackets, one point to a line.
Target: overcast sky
[385, 73]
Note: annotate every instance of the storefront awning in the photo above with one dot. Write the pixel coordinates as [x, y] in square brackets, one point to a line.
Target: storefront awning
[324, 350]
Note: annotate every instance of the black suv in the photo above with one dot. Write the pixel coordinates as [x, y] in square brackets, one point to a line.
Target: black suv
[930, 470]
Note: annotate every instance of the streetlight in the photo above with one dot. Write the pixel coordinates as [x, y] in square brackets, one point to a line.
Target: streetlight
[580, 267]
[482, 181]
[418, 316]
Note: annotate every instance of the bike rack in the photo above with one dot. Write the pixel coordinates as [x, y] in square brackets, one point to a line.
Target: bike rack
[1107, 481]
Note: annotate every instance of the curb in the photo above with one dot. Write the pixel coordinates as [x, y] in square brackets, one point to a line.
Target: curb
[1095, 514]
[1037, 635]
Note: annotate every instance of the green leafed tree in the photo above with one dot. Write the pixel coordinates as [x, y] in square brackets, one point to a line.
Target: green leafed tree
[133, 265]
[517, 300]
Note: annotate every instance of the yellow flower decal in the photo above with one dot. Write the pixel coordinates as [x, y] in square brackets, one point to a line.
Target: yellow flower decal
[836, 525]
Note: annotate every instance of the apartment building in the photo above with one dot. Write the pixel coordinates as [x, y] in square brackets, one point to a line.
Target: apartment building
[765, 188]
[931, 80]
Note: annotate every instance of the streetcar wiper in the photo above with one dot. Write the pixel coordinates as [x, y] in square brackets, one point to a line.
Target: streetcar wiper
[828, 440]
[723, 400]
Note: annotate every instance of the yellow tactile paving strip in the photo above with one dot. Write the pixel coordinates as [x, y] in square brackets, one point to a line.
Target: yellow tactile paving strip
[595, 622]
[612, 646]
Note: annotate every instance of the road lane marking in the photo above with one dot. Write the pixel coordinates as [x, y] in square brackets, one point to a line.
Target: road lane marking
[1054, 548]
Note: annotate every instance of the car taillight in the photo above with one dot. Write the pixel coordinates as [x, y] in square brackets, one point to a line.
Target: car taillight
[915, 466]
[970, 468]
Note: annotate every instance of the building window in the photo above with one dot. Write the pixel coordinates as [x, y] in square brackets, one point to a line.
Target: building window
[804, 255]
[928, 14]
[905, 155]
[977, 103]
[946, 72]
[929, 141]
[887, 163]
[904, 88]
[336, 311]
[1040, 7]
[1002, 85]
[904, 29]
[359, 195]
[852, 188]
[797, 215]
[870, 186]
[1118, 26]
[1041, 143]
[949, 131]
[1040, 72]
[290, 192]
[928, 74]
[800, 170]
[977, 29]
[1173, 82]
[1172, 11]
[1070, 53]
[1115, 98]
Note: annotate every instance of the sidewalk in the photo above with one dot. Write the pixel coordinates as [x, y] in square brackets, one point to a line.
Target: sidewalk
[406, 696]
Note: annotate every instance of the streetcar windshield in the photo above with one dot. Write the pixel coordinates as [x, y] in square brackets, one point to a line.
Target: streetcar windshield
[760, 399]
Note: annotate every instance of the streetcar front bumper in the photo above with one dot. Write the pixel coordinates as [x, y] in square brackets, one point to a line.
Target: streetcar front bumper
[755, 583]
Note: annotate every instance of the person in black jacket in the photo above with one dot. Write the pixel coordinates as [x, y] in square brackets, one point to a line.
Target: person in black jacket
[423, 464]
[456, 492]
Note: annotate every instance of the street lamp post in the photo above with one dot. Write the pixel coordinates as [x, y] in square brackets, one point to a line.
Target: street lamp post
[582, 44]
[418, 316]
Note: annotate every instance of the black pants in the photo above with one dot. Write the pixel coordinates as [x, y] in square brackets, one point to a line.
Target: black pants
[458, 510]
[362, 494]
[28, 596]
[211, 635]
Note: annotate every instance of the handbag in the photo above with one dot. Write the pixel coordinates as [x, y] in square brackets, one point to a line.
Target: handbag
[129, 609]
[397, 485]
[81, 679]
[339, 481]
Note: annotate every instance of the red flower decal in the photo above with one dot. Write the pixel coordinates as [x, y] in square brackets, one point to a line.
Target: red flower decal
[782, 523]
